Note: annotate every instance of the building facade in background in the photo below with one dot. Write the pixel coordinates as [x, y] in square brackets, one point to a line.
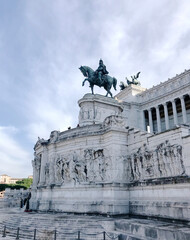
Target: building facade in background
[5, 179]
[159, 108]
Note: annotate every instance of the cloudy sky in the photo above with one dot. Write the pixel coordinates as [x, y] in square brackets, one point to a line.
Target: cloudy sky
[42, 44]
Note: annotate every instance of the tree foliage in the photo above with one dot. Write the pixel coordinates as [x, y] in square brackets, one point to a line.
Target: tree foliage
[25, 183]
[12, 186]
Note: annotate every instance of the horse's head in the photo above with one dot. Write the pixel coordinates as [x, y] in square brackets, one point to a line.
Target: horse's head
[86, 71]
[83, 70]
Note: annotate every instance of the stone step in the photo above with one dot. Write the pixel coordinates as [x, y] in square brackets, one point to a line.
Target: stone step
[67, 227]
[153, 230]
[47, 223]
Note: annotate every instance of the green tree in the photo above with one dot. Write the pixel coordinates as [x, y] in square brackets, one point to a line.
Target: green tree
[12, 186]
[26, 182]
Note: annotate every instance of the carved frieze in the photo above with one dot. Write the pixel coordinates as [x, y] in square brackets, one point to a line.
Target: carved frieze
[75, 167]
[114, 120]
[164, 161]
[95, 163]
[85, 114]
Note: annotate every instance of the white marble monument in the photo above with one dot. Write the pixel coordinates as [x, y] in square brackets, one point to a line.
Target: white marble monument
[128, 155]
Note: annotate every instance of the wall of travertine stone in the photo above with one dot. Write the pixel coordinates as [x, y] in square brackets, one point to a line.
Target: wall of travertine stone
[161, 155]
[161, 199]
[82, 169]
[104, 145]
[158, 168]
[105, 166]
[12, 197]
[128, 171]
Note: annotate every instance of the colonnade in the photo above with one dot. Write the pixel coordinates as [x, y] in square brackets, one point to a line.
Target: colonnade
[166, 115]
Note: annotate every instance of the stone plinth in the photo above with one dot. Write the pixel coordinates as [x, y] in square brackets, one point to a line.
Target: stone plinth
[95, 108]
[130, 93]
[163, 198]
[103, 198]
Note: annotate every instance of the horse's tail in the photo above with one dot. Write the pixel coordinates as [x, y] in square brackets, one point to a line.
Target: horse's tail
[114, 83]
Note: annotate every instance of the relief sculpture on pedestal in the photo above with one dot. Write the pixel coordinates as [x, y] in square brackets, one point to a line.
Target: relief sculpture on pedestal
[164, 161]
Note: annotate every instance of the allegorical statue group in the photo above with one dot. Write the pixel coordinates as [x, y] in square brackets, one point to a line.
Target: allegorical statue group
[101, 78]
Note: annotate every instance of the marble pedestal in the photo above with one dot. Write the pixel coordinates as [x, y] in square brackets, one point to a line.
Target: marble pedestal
[101, 198]
[95, 108]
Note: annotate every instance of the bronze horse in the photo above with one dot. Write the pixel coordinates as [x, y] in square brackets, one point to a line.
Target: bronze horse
[92, 78]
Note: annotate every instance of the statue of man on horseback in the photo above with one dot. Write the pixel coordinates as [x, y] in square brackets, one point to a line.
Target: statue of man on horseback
[99, 77]
[101, 71]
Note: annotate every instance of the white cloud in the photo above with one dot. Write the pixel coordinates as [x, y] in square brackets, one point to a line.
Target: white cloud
[40, 80]
[130, 37]
[14, 160]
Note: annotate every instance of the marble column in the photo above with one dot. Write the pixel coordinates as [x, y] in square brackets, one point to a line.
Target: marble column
[143, 121]
[150, 120]
[174, 112]
[166, 116]
[158, 118]
[184, 113]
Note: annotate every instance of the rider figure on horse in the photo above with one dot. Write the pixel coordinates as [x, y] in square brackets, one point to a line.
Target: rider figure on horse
[101, 71]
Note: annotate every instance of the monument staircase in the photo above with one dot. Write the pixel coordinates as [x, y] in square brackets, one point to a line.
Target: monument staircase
[58, 226]
[55, 226]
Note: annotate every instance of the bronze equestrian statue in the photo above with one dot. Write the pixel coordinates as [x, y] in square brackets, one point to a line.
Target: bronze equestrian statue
[99, 77]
